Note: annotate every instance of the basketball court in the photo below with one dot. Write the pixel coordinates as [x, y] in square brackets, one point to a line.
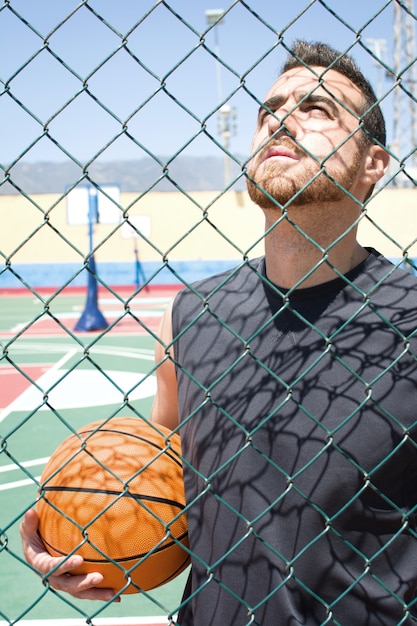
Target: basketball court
[51, 380]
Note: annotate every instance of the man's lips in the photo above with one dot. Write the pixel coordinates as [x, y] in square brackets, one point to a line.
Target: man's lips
[279, 151]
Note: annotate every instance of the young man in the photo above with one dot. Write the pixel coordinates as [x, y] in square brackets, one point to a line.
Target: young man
[293, 379]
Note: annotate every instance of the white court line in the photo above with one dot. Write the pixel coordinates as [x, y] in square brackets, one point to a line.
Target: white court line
[113, 313]
[28, 392]
[124, 351]
[19, 483]
[156, 300]
[110, 314]
[13, 466]
[26, 481]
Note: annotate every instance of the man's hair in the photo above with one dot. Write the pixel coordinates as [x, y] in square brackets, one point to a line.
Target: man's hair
[309, 54]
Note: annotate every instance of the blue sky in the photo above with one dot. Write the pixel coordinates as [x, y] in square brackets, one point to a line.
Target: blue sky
[172, 59]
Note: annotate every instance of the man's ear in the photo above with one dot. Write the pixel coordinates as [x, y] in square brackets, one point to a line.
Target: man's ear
[375, 165]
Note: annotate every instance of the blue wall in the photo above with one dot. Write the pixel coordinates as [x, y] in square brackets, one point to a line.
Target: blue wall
[112, 274]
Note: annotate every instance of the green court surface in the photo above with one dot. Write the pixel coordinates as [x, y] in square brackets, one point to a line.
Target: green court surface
[53, 380]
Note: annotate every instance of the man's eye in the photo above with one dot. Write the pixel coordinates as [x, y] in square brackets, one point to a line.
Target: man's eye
[316, 108]
[264, 114]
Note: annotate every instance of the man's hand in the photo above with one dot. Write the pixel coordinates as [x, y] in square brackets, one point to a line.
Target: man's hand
[80, 586]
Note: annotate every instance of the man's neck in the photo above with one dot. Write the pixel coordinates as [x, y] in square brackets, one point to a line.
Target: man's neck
[308, 256]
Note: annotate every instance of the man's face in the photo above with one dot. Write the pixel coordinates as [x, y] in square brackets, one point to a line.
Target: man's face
[313, 137]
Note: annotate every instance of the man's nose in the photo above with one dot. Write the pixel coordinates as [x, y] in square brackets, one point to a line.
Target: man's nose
[282, 122]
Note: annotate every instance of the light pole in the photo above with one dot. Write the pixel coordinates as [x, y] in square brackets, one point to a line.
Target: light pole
[226, 114]
[405, 122]
[214, 17]
[379, 48]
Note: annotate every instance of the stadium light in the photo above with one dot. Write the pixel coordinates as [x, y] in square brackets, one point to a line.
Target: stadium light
[226, 115]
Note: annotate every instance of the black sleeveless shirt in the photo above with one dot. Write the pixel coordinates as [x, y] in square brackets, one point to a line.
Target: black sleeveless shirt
[298, 426]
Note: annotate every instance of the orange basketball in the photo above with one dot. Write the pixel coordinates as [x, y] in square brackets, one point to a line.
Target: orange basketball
[114, 493]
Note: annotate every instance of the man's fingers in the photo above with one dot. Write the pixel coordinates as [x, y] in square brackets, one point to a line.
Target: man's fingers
[36, 554]
[82, 586]
[30, 523]
[57, 570]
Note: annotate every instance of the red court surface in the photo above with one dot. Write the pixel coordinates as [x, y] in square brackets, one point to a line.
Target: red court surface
[123, 621]
[127, 325]
[13, 383]
[138, 314]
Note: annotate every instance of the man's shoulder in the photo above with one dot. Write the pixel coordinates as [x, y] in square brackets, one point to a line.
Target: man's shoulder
[383, 272]
[391, 293]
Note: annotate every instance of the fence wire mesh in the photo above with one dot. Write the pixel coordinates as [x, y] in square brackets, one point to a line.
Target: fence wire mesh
[82, 85]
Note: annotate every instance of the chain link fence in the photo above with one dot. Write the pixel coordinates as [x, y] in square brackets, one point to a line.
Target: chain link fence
[175, 86]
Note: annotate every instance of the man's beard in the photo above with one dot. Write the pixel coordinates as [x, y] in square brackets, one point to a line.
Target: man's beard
[279, 182]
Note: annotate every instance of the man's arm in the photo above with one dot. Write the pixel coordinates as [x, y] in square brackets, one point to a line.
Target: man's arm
[165, 412]
[165, 406]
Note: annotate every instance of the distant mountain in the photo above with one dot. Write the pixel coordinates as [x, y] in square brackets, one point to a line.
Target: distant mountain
[187, 173]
